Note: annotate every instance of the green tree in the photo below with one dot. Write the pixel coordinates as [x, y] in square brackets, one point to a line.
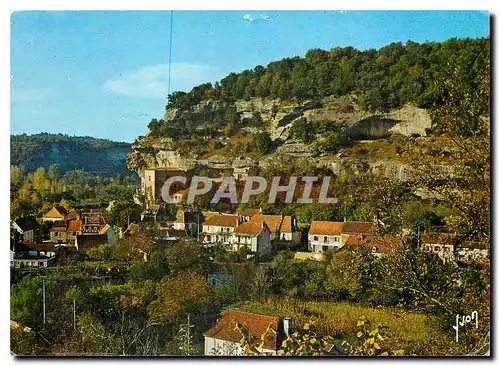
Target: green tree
[262, 142]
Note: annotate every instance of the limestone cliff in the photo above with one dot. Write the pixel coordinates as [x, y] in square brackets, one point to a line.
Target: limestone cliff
[276, 117]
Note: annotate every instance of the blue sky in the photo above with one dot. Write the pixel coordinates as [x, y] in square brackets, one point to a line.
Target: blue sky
[105, 74]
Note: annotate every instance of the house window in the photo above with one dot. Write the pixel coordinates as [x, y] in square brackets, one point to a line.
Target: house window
[315, 238]
[336, 239]
[436, 248]
[325, 248]
[325, 239]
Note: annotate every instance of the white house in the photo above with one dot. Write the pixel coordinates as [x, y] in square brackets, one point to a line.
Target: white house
[439, 243]
[254, 235]
[325, 235]
[328, 235]
[219, 229]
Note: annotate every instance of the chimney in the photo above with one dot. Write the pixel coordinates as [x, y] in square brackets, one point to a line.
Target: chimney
[288, 326]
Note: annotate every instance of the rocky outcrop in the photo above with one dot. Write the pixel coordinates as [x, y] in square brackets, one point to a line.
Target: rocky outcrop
[277, 117]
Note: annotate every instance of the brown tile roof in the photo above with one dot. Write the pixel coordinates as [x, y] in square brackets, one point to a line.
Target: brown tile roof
[358, 227]
[75, 226]
[286, 224]
[59, 226]
[250, 228]
[273, 222]
[41, 247]
[438, 238]
[256, 325]
[475, 245]
[222, 220]
[326, 228]
[383, 244]
[251, 212]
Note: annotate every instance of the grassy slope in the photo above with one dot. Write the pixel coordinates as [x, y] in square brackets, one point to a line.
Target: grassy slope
[410, 331]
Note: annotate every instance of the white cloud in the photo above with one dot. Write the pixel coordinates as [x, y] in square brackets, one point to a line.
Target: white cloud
[152, 81]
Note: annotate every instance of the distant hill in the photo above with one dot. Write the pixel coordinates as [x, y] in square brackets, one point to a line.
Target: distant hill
[69, 152]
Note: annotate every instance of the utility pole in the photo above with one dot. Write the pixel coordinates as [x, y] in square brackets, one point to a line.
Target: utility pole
[43, 285]
[188, 335]
[74, 314]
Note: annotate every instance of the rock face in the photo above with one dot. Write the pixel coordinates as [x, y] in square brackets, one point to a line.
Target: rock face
[277, 117]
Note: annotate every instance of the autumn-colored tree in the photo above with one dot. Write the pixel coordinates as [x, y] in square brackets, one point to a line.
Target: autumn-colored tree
[187, 292]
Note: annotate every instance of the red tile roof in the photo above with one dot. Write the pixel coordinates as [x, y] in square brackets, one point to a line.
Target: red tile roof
[273, 222]
[256, 325]
[250, 228]
[222, 220]
[286, 224]
[438, 238]
[383, 244]
[251, 212]
[75, 226]
[358, 227]
[326, 228]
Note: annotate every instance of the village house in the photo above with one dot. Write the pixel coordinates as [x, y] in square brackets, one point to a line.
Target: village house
[25, 229]
[254, 235]
[378, 246]
[441, 244]
[472, 250]
[325, 235]
[284, 231]
[65, 232]
[188, 222]
[92, 222]
[246, 215]
[152, 181]
[56, 213]
[219, 228]
[24, 260]
[224, 340]
[333, 235]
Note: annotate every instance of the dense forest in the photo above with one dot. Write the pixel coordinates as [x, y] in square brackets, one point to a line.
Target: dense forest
[386, 78]
[69, 153]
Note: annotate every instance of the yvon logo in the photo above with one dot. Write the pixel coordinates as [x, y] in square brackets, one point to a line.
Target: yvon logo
[465, 320]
